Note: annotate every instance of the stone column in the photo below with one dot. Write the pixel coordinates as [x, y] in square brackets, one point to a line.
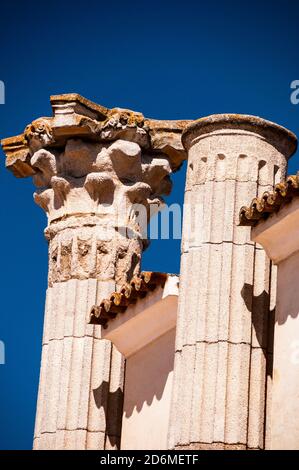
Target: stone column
[220, 371]
[95, 170]
[95, 246]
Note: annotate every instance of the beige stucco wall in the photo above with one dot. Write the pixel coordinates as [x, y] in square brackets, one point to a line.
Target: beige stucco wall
[148, 383]
[278, 234]
[285, 398]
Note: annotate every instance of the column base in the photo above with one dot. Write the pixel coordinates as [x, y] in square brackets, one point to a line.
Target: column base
[211, 446]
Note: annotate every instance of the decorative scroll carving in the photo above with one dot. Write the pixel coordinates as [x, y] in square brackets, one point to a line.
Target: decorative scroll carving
[39, 133]
[76, 117]
[94, 195]
[97, 171]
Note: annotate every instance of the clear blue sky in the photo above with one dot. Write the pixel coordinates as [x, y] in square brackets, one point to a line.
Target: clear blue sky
[167, 59]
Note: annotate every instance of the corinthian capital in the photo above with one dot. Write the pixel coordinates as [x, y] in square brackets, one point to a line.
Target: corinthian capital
[87, 155]
[95, 168]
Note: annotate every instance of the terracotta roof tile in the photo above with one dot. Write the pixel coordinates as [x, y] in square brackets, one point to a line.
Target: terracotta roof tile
[270, 201]
[118, 302]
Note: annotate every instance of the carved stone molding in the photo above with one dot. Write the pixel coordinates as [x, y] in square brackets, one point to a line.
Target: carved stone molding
[85, 253]
[75, 117]
[97, 173]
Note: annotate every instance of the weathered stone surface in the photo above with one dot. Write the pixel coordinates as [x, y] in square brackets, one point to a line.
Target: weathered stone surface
[220, 370]
[75, 117]
[97, 172]
[90, 192]
[283, 140]
[75, 372]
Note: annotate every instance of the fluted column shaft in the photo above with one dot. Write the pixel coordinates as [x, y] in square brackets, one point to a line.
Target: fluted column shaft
[226, 286]
[97, 198]
[81, 379]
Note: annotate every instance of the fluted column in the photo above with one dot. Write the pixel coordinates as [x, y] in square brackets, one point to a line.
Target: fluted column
[220, 372]
[97, 172]
[95, 246]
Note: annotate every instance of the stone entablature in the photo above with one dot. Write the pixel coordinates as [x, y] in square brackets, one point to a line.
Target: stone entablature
[78, 118]
[95, 170]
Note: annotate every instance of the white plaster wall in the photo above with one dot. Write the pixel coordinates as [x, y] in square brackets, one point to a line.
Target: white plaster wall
[285, 398]
[148, 384]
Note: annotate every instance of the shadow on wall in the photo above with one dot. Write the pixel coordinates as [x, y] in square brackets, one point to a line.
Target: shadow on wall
[112, 403]
[148, 374]
[263, 323]
[140, 415]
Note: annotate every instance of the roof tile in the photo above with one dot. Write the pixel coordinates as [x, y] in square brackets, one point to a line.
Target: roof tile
[118, 302]
[269, 202]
